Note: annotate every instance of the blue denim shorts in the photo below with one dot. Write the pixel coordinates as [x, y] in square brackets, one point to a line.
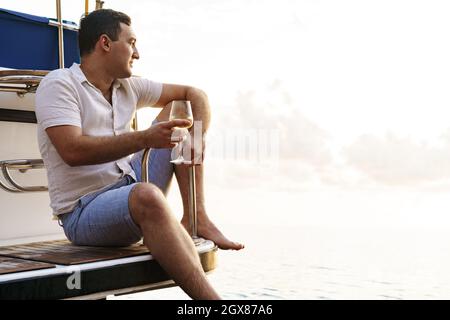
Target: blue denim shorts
[103, 218]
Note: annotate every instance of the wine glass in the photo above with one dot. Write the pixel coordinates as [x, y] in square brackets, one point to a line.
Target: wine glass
[181, 109]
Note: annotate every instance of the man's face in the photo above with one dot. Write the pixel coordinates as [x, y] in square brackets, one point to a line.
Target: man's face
[123, 52]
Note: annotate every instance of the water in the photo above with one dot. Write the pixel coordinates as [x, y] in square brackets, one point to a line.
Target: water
[327, 263]
[328, 243]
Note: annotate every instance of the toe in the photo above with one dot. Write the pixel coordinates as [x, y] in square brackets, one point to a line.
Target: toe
[229, 245]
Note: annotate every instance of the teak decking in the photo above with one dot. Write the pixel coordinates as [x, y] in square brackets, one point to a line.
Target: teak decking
[41, 270]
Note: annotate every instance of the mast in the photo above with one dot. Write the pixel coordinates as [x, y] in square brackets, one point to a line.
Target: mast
[60, 34]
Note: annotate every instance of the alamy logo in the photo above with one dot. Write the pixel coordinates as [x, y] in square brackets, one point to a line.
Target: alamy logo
[257, 146]
[74, 280]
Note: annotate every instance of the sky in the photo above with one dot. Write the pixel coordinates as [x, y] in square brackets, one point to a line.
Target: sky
[351, 96]
[356, 91]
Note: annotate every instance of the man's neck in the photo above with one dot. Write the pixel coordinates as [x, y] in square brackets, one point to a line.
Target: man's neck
[98, 76]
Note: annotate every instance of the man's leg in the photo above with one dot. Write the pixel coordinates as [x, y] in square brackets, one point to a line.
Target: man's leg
[205, 226]
[168, 241]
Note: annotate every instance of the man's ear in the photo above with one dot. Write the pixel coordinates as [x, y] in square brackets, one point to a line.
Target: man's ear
[104, 42]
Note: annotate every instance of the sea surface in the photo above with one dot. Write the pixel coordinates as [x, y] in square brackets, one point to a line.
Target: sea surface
[326, 263]
[328, 243]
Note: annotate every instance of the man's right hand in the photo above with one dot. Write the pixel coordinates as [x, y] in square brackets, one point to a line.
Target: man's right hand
[160, 135]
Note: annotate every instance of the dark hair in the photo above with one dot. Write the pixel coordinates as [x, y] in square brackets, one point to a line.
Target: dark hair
[96, 23]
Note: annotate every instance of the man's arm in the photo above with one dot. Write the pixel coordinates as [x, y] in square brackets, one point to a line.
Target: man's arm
[198, 98]
[77, 149]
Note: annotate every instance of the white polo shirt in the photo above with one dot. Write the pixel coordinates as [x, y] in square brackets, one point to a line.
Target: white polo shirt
[66, 97]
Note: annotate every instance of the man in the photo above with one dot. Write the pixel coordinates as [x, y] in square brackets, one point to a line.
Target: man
[84, 115]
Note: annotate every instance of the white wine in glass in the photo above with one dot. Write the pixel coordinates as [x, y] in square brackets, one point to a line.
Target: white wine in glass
[181, 109]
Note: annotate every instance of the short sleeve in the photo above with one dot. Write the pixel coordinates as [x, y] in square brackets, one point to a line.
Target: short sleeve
[147, 92]
[56, 104]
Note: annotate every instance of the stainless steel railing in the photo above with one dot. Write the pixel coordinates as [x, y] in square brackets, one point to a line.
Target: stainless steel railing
[192, 193]
[21, 81]
[22, 165]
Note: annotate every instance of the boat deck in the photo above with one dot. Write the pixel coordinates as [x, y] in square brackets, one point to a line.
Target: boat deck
[60, 270]
[65, 253]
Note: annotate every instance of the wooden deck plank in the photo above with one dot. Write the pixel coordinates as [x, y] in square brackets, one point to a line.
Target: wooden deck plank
[11, 265]
[64, 253]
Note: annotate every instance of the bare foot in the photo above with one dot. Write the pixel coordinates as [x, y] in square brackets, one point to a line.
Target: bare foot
[206, 229]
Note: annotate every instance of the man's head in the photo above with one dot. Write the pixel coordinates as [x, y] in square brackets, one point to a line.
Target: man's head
[109, 33]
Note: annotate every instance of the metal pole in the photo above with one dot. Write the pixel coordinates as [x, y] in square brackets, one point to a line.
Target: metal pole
[192, 194]
[144, 165]
[192, 203]
[60, 34]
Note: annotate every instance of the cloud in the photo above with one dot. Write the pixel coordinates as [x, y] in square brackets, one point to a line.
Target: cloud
[303, 157]
[308, 157]
[394, 160]
[272, 108]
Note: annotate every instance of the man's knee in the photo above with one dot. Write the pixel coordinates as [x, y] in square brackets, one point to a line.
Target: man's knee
[147, 202]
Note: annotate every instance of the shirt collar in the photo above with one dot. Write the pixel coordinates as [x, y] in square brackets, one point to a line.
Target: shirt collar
[76, 71]
[80, 76]
[117, 83]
